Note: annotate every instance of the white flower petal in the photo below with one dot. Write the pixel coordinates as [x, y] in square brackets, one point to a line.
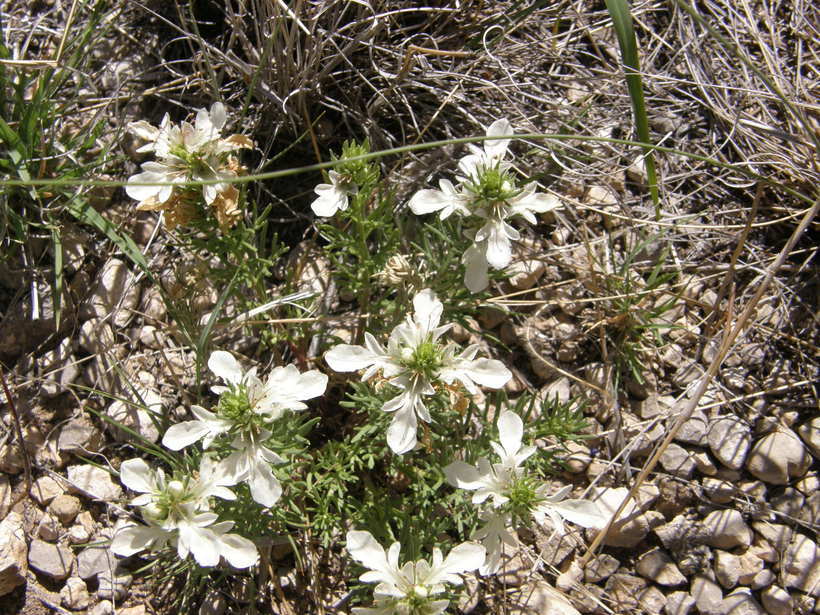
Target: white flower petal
[401, 435]
[428, 310]
[200, 542]
[462, 475]
[238, 550]
[496, 150]
[462, 558]
[138, 476]
[580, 512]
[476, 276]
[367, 551]
[135, 538]
[265, 487]
[499, 248]
[349, 358]
[184, 434]
[225, 366]
[218, 116]
[510, 432]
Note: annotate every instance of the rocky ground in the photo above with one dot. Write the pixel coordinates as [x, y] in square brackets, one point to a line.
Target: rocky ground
[725, 524]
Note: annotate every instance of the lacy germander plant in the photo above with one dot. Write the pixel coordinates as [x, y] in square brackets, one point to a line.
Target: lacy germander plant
[178, 512]
[487, 196]
[412, 588]
[185, 153]
[417, 362]
[515, 496]
[245, 413]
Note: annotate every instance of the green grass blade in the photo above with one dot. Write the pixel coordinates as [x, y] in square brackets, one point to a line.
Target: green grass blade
[622, 21]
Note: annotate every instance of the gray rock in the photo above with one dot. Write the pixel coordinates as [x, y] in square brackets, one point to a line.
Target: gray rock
[694, 429]
[623, 590]
[652, 600]
[677, 461]
[680, 533]
[96, 336]
[78, 534]
[778, 457]
[153, 307]
[13, 561]
[113, 587]
[138, 415]
[5, 496]
[116, 291]
[601, 567]
[727, 569]
[810, 433]
[801, 566]
[741, 602]
[578, 457]
[777, 535]
[79, 435]
[729, 439]
[535, 598]
[525, 273]
[54, 561]
[789, 503]
[809, 484]
[810, 513]
[762, 580]
[65, 508]
[95, 560]
[717, 490]
[74, 595]
[49, 528]
[103, 607]
[679, 603]
[93, 482]
[726, 529]
[45, 489]
[708, 596]
[657, 566]
[776, 601]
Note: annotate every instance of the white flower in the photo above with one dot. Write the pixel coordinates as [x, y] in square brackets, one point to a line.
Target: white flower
[488, 196]
[187, 152]
[495, 535]
[247, 406]
[494, 480]
[410, 589]
[515, 496]
[492, 152]
[413, 361]
[285, 389]
[250, 463]
[178, 512]
[333, 196]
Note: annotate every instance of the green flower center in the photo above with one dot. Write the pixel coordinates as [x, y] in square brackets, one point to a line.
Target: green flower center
[170, 504]
[235, 406]
[424, 360]
[493, 186]
[523, 497]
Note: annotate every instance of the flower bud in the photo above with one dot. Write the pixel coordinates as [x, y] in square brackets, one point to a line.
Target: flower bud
[175, 487]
